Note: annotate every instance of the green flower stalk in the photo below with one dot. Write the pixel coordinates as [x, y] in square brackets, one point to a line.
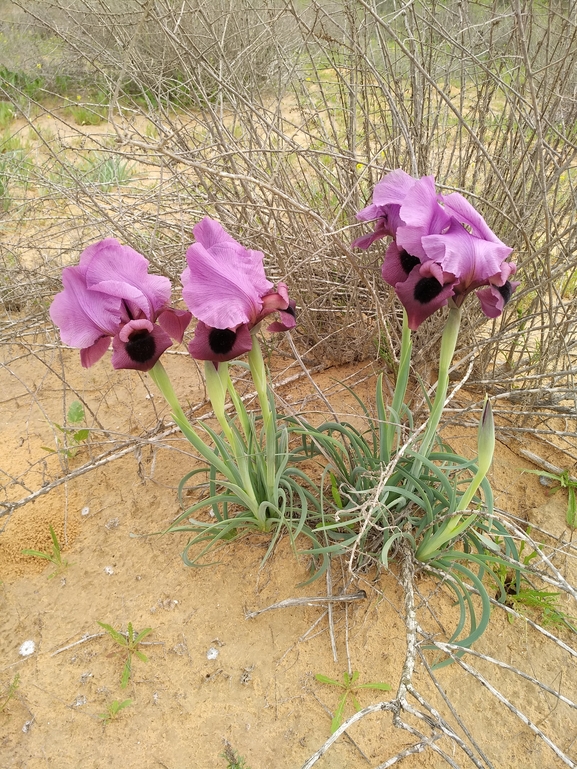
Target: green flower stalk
[455, 525]
[259, 375]
[388, 429]
[448, 344]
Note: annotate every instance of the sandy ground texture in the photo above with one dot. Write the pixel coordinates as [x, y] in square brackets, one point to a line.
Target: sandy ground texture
[214, 676]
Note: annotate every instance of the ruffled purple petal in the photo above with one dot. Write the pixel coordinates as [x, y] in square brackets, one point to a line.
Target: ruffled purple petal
[219, 345]
[138, 345]
[273, 301]
[459, 207]
[83, 316]
[423, 215]
[366, 241]
[393, 188]
[472, 260]
[494, 298]
[398, 265]
[223, 247]
[224, 283]
[422, 296]
[121, 271]
[174, 322]
[91, 355]
[287, 319]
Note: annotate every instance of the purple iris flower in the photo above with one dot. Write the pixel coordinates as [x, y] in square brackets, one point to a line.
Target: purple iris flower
[225, 287]
[388, 195]
[442, 249]
[110, 295]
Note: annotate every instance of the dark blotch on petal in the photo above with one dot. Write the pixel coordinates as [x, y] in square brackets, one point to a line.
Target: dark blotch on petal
[291, 311]
[221, 340]
[408, 262]
[505, 290]
[141, 346]
[427, 289]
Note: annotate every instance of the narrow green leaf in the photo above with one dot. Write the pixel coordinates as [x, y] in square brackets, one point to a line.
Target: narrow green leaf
[327, 680]
[118, 637]
[125, 674]
[380, 686]
[142, 634]
[338, 716]
[571, 508]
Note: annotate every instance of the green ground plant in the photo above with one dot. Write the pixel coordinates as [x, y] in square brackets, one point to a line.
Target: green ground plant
[563, 480]
[107, 171]
[350, 689]
[9, 692]
[75, 416]
[7, 114]
[545, 603]
[129, 643]
[55, 557]
[86, 114]
[232, 758]
[113, 709]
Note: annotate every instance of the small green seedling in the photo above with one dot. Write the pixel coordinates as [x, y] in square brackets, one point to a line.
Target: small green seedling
[546, 603]
[128, 641]
[113, 709]
[234, 761]
[75, 416]
[564, 481]
[54, 557]
[349, 686]
[7, 695]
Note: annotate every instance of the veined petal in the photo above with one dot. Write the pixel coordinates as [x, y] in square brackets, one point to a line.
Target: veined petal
[463, 211]
[494, 298]
[224, 248]
[118, 270]
[91, 355]
[174, 322]
[138, 347]
[423, 215]
[219, 345]
[287, 319]
[393, 188]
[422, 297]
[398, 265]
[273, 301]
[470, 259]
[83, 316]
[217, 291]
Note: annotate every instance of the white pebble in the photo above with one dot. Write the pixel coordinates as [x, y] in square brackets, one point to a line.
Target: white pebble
[85, 510]
[212, 653]
[27, 648]
[108, 570]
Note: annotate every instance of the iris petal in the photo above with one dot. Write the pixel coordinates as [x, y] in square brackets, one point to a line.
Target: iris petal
[221, 347]
[121, 271]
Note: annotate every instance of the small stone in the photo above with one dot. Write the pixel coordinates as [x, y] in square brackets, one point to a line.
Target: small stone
[212, 653]
[85, 510]
[108, 570]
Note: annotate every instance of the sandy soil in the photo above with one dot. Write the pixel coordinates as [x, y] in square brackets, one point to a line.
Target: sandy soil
[212, 674]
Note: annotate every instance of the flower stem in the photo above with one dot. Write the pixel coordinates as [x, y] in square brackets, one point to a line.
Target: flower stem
[160, 378]
[448, 344]
[216, 385]
[258, 371]
[400, 387]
